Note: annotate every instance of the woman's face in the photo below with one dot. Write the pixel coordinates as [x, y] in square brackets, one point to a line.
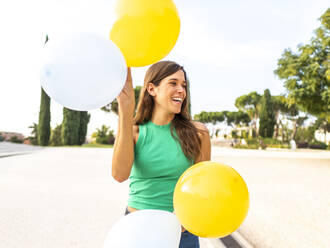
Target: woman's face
[170, 93]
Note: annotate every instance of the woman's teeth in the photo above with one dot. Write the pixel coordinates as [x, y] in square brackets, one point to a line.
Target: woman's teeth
[177, 99]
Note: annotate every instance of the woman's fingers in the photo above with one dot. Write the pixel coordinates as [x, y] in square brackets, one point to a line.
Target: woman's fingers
[128, 84]
[129, 77]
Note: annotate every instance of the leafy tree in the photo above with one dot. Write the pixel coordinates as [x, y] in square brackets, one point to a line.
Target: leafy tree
[216, 117]
[203, 117]
[238, 118]
[231, 118]
[234, 119]
[250, 104]
[44, 117]
[297, 122]
[34, 134]
[306, 73]
[212, 118]
[282, 108]
[267, 116]
[323, 124]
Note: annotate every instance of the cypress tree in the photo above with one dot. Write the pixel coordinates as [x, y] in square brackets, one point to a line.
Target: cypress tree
[267, 116]
[84, 119]
[44, 117]
[44, 120]
[70, 127]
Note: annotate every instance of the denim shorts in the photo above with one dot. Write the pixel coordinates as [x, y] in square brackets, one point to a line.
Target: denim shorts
[188, 240]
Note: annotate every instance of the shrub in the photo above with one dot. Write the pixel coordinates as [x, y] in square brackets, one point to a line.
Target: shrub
[1, 138]
[15, 139]
[252, 141]
[317, 145]
[104, 135]
[266, 142]
[55, 137]
[302, 144]
[234, 134]
[32, 140]
[271, 141]
[239, 146]
[278, 146]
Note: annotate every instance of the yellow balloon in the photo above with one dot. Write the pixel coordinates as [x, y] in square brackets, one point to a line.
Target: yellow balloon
[211, 200]
[145, 30]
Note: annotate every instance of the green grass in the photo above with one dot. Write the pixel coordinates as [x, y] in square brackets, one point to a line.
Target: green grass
[93, 146]
[97, 146]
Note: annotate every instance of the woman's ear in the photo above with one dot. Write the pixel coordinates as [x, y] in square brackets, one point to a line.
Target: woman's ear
[151, 88]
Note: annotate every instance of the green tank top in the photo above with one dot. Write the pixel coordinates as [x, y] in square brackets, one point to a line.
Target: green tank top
[158, 163]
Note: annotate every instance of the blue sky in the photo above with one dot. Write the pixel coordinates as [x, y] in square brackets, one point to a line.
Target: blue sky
[228, 48]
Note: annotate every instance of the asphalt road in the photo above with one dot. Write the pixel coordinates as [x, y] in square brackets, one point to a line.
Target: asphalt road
[66, 197]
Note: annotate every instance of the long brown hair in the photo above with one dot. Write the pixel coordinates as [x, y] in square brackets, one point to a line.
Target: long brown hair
[187, 132]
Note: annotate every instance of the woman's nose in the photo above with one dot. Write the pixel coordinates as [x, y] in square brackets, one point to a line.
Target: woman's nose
[181, 88]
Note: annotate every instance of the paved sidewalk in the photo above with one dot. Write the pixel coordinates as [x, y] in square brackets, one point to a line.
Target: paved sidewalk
[289, 196]
[61, 197]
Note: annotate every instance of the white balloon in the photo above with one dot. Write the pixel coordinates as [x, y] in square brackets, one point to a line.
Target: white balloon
[145, 229]
[82, 71]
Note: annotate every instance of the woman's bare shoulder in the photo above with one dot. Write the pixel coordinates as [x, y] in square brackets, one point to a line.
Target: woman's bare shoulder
[200, 126]
[203, 133]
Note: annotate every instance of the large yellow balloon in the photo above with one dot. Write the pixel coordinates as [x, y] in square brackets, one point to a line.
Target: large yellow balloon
[145, 30]
[211, 200]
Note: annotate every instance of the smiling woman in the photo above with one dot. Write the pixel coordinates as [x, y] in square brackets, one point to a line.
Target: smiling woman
[160, 143]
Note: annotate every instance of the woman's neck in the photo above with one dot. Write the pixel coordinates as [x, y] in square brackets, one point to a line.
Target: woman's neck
[160, 117]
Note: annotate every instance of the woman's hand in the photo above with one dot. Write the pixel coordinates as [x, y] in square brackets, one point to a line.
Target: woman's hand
[126, 98]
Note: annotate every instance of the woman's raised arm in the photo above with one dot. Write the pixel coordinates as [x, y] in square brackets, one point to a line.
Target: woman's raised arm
[123, 152]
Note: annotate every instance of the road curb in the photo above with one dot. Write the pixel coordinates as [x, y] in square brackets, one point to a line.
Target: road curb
[11, 154]
[235, 240]
[210, 243]
[241, 240]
